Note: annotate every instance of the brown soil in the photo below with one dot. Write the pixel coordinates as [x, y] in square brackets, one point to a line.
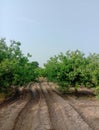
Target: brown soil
[88, 108]
[44, 109]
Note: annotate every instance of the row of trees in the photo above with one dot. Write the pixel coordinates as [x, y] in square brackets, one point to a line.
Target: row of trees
[73, 69]
[15, 68]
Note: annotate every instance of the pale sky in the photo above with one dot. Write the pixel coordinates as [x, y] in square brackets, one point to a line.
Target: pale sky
[48, 27]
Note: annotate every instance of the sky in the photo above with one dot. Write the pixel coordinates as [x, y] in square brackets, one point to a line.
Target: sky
[47, 27]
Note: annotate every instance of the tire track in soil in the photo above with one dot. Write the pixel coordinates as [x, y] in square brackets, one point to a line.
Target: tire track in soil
[9, 114]
[25, 117]
[56, 114]
[35, 115]
[72, 117]
[44, 110]
[10, 111]
[41, 119]
[73, 103]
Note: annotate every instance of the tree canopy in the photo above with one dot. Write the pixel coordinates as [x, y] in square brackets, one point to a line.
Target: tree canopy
[73, 69]
[15, 67]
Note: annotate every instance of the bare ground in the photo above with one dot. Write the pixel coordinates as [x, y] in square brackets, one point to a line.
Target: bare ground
[44, 109]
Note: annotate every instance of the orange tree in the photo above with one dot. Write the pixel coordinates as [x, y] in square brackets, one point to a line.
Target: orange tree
[73, 69]
[15, 68]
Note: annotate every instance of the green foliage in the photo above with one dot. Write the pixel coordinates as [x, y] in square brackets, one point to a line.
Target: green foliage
[97, 92]
[15, 68]
[73, 69]
[41, 72]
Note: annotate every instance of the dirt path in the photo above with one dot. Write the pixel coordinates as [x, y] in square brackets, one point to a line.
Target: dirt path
[35, 115]
[42, 110]
[9, 114]
[66, 117]
[88, 109]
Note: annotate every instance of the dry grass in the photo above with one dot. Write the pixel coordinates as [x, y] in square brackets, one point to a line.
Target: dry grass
[2, 97]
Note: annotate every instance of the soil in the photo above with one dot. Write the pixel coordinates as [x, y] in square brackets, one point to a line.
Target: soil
[43, 108]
